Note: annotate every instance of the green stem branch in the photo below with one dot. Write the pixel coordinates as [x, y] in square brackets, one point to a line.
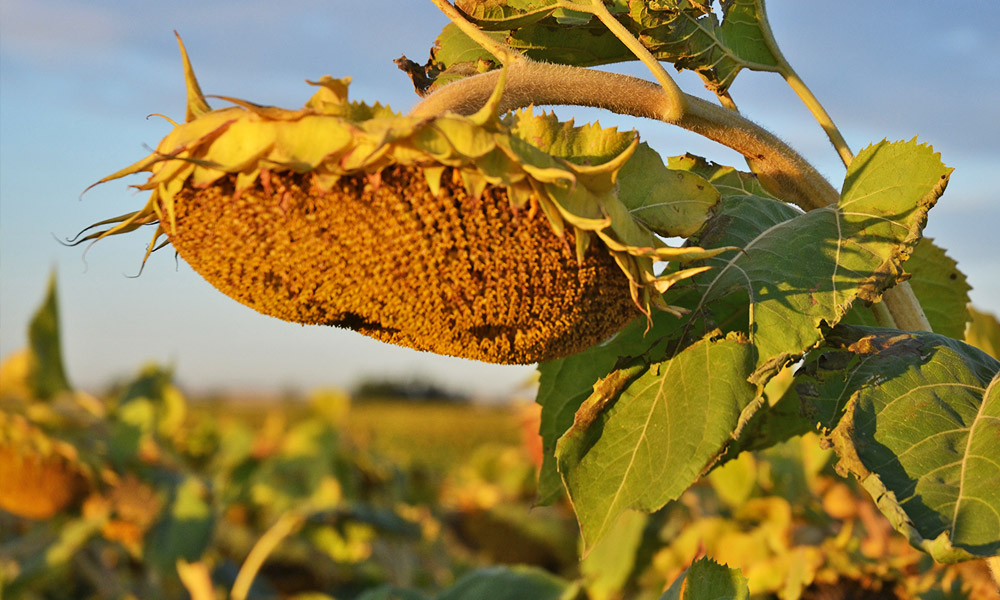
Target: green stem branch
[802, 90]
[819, 113]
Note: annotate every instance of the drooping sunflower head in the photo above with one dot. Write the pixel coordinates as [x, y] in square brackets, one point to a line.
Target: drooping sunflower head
[499, 239]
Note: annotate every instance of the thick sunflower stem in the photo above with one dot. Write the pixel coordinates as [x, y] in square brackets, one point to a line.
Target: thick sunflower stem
[781, 170]
[677, 103]
[905, 308]
[883, 316]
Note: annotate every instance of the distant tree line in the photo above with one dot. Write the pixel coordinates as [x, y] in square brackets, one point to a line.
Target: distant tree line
[415, 389]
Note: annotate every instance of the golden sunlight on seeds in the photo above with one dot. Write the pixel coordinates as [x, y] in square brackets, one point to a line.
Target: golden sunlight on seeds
[451, 274]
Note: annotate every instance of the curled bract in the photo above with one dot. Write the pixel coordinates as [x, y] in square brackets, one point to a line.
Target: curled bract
[498, 239]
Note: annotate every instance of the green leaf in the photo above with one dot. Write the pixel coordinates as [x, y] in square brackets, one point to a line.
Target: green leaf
[687, 34]
[691, 37]
[46, 375]
[789, 258]
[639, 442]
[673, 203]
[150, 406]
[607, 568]
[706, 579]
[454, 56]
[736, 480]
[728, 181]
[917, 417]
[508, 583]
[940, 287]
[185, 529]
[456, 48]
[582, 45]
[506, 14]
[155, 386]
[61, 545]
[300, 477]
[983, 332]
[566, 383]
[781, 419]
[800, 272]
[133, 422]
[388, 592]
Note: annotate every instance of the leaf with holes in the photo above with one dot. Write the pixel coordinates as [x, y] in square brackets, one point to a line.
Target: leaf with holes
[916, 418]
[692, 37]
[687, 34]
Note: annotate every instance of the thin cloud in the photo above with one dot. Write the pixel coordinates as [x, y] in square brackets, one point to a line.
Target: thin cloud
[54, 30]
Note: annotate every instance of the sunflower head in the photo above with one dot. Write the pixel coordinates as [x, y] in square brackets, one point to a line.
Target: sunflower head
[39, 474]
[497, 239]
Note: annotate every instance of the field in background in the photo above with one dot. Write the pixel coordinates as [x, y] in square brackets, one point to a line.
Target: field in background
[144, 493]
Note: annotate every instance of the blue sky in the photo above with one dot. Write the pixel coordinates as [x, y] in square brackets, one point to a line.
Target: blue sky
[77, 79]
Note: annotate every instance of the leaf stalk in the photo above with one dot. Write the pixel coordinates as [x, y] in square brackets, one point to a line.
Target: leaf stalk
[802, 90]
[501, 51]
[818, 112]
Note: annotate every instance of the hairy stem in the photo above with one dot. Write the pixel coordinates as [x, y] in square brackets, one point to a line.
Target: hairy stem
[780, 169]
[676, 103]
